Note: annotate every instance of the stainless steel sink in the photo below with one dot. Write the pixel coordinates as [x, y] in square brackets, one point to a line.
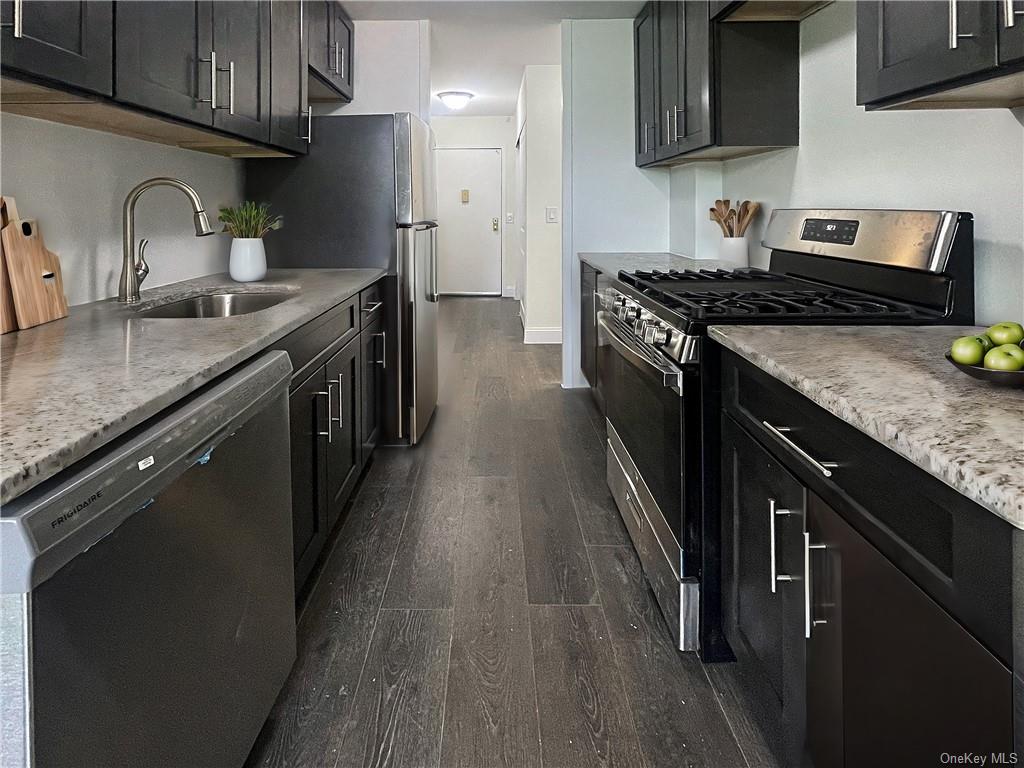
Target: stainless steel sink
[216, 305]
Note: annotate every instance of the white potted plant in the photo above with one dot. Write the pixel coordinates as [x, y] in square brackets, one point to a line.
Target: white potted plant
[247, 224]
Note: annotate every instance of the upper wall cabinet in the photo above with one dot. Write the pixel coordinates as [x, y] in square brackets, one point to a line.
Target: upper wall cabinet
[331, 41]
[944, 54]
[717, 90]
[290, 119]
[64, 42]
[207, 63]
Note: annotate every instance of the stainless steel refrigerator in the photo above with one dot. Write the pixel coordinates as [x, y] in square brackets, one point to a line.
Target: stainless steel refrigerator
[365, 196]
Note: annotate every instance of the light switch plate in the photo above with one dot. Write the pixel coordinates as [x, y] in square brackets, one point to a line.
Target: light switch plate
[551, 214]
[465, 196]
[509, 218]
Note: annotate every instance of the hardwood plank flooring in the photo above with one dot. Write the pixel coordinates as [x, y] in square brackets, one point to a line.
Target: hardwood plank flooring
[482, 607]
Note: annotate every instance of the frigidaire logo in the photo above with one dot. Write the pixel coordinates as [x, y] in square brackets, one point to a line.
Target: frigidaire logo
[75, 510]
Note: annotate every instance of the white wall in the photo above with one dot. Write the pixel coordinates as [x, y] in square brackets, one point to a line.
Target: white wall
[74, 181]
[391, 70]
[542, 292]
[609, 203]
[970, 160]
[472, 132]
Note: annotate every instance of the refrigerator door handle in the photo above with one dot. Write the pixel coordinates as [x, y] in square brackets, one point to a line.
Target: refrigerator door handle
[432, 294]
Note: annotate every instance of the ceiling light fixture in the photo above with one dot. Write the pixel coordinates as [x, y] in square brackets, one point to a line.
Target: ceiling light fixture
[455, 99]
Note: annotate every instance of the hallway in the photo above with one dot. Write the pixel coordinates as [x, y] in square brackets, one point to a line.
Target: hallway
[482, 605]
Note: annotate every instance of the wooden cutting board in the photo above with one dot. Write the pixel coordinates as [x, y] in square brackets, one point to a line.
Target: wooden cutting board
[34, 273]
[8, 319]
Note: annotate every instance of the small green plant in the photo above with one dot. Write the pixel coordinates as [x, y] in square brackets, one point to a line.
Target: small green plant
[249, 220]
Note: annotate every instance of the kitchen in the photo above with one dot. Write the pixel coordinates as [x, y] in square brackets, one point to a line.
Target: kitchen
[344, 515]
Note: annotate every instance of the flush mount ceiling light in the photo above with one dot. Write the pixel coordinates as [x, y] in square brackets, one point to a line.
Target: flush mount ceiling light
[455, 99]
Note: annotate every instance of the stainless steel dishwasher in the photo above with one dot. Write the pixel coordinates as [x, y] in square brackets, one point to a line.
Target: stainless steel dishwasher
[147, 614]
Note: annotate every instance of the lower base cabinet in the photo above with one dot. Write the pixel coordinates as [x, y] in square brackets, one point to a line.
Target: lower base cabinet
[344, 443]
[374, 368]
[309, 472]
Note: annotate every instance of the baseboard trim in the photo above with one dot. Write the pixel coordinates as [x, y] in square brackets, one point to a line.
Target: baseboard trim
[542, 336]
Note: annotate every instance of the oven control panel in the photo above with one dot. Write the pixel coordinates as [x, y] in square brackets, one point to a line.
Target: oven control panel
[839, 231]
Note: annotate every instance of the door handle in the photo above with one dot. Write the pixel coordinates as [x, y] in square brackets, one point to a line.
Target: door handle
[432, 294]
[18, 24]
[494, 224]
[309, 124]
[383, 362]
[809, 621]
[341, 63]
[675, 122]
[332, 47]
[212, 61]
[340, 418]
[328, 434]
[1009, 14]
[774, 512]
[230, 69]
[955, 36]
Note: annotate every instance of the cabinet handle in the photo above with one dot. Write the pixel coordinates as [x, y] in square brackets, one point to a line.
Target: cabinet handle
[668, 122]
[309, 125]
[332, 48]
[383, 362]
[809, 621]
[825, 467]
[675, 121]
[646, 139]
[373, 308]
[328, 434]
[774, 512]
[955, 36]
[1009, 14]
[340, 418]
[632, 508]
[231, 87]
[18, 23]
[212, 61]
[341, 63]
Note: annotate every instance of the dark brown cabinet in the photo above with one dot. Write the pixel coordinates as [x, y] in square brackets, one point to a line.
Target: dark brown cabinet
[308, 418]
[374, 341]
[163, 61]
[939, 52]
[763, 602]
[890, 672]
[241, 38]
[331, 41]
[67, 43]
[695, 98]
[289, 60]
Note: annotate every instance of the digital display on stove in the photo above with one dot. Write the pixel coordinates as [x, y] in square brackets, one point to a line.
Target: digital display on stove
[841, 231]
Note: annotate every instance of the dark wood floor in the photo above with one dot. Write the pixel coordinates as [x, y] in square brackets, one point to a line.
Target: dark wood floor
[482, 606]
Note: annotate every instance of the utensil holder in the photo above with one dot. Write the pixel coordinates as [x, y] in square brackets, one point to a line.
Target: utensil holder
[734, 251]
[248, 259]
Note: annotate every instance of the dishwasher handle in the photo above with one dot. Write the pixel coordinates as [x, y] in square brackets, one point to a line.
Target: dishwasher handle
[44, 529]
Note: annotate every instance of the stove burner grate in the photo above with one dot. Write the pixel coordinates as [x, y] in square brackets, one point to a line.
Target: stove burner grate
[795, 303]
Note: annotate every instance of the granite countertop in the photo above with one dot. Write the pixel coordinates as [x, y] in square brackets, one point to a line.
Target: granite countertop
[894, 384]
[72, 385]
[611, 263]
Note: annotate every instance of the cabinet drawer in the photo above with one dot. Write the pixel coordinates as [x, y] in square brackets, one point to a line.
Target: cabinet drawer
[312, 344]
[371, 304]
[959, 553]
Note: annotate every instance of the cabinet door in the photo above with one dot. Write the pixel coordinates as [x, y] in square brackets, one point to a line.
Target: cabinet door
[163, 57]
[1011, 31]
[645, 76]
[693, 122]
[902, 47]
[670, 98]
[318, 26]
[344, 442]
[762, 570]
[374, 341]
[69, 43]
[308, 416]
[241, 37]
[588, 323]
[344, 39]
[289, 120]
[909, 681]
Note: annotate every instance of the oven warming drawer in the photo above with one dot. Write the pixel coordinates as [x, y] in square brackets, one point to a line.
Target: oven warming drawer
[659, 553]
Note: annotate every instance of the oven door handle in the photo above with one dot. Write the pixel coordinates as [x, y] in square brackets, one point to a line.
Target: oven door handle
[671, 376]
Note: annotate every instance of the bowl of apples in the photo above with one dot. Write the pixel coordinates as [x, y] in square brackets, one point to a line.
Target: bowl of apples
[995, 356]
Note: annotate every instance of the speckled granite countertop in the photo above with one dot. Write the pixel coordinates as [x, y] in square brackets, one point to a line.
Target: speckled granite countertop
[72, 385]
[611, 263]
[893, 384]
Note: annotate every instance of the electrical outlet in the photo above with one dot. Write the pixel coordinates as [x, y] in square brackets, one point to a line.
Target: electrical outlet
[551, 214]
[509, 218]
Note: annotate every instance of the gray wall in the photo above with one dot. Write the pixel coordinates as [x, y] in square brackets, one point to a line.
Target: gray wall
[74, 182]
[971, 160]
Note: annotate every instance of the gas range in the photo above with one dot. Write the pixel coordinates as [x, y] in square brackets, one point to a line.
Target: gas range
[658, 371]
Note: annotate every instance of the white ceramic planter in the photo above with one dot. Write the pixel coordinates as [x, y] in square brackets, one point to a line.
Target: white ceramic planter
[734, 251]
[248, 259]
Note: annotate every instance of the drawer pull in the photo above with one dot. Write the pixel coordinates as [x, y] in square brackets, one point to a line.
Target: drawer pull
[825, 467]
[632, 508]
[373, 308]
[774, 512]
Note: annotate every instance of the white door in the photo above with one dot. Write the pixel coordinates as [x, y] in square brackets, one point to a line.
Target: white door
[469, 221]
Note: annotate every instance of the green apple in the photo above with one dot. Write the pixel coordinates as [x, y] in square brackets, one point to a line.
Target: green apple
[1013, 351]
[1001, 359]
[1006, 333]
[970, 350]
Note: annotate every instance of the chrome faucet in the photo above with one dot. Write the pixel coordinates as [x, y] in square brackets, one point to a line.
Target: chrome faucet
[134, 270]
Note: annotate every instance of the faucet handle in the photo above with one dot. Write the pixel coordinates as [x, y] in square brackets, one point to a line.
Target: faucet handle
[141, 267]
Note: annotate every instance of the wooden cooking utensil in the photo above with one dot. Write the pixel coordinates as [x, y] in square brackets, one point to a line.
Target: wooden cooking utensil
[713, 215]
[8, 318]
[34, 273]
